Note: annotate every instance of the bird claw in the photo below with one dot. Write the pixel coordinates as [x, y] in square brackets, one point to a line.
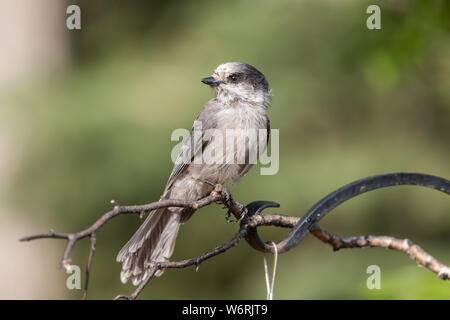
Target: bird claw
[207, 182]
[243, 215]
[227, 198]
[228, 217]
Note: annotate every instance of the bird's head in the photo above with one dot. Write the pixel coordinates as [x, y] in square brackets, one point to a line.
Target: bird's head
[234, 81]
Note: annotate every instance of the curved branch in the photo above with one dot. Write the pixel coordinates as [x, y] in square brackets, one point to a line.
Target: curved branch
[250, 219]
[414, 251]
[332, 200]
[406, 246]
[217, 194]
[186, 263]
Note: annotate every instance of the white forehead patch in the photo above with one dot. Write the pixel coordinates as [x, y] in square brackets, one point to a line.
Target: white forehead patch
[227, 68]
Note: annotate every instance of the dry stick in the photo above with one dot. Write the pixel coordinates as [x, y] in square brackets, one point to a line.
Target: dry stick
[218, 193]
[422, 257]
[138, 290]
[188, 262]
[221, 194]
[88, 267]
[414, 251]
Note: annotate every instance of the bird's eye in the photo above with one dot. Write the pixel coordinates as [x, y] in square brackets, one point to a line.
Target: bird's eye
[234, 77]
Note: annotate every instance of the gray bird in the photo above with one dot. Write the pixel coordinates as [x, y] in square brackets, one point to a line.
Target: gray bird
[241, 103]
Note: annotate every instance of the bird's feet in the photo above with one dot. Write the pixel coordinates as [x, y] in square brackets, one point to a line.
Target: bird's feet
[205, 181]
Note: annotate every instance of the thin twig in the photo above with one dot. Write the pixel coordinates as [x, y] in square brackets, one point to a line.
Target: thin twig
[217, 194]
[88, 267]
[139, 289]
[414, 251]
[188, 262]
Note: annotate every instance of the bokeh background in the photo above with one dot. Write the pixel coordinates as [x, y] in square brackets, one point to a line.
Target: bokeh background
[86, 117]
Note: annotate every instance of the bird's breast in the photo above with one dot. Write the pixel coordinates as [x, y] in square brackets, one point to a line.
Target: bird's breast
[242, 116]
[235, 144]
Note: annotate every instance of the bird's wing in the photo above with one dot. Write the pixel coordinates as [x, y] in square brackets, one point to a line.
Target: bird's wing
[195, 143]
[190, 148]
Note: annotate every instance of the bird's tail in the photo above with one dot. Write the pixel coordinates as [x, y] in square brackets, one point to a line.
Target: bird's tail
[154, 241]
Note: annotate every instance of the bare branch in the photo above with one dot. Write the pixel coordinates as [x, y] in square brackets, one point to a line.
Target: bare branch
[88, 267]
[216, 194]
[188, 262]
[250, 218]
[415, 252]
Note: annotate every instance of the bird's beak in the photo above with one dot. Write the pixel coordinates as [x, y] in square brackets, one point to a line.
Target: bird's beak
[210, 81]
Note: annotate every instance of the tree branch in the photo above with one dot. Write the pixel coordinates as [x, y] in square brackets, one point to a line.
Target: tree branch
[250, 218]
[188, 262]
[219, 193]
[415, 252]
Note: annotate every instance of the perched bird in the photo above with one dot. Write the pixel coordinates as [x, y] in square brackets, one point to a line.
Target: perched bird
[240, 106]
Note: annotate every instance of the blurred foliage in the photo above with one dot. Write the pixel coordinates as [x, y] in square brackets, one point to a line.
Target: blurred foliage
[349, 102]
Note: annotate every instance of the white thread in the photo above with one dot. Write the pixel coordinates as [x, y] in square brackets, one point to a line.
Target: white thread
[266, 272]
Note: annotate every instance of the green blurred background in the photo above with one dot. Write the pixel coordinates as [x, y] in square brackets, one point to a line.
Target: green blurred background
[86, 117]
